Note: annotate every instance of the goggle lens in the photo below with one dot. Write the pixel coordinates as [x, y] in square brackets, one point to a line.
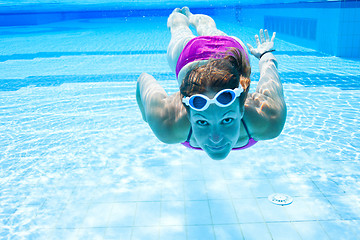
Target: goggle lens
[198, 102]
[225, 97]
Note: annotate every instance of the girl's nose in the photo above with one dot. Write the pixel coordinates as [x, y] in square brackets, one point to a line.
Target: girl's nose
[216, 136]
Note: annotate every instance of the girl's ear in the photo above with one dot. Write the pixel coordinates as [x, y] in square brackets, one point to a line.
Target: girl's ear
[242, 100]
[240, 61]
[188, 112]
[245, 84]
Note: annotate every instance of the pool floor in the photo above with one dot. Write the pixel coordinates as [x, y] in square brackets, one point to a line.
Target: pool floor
[78, 162]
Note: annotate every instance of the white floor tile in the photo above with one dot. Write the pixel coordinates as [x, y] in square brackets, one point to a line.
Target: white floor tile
[173, 233]
[122, 214]
[248, 211]
[200, 232]
[341, 230]
[147, 214]
[283, 231]
[195, 190]
[255, 231]
[97, 215]
[228, 232]
[197, 212]
[311, 230]
[222, 212]
[123, 233]
[141, 233]
[272, 212]
[217, 189]
[172, 213]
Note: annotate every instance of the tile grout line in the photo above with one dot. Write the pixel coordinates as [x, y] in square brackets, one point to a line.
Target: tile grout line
[232, 202]
[207, 198]
[184, 198]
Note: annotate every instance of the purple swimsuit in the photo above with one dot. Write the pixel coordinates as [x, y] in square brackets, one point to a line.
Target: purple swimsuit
[204, 48]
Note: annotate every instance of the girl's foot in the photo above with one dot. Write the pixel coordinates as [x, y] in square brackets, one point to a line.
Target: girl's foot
[177, 10]
[177, 18]
[186, 12]
[190, 16]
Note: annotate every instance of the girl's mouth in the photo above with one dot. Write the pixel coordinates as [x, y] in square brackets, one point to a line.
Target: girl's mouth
[217, 148]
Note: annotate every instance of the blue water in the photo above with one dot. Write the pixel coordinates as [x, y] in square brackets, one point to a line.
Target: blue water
[78, 162]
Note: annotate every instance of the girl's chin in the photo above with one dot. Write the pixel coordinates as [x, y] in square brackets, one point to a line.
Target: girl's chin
[218, 153]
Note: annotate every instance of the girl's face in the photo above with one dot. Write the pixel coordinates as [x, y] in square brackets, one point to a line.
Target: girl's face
[217, 129]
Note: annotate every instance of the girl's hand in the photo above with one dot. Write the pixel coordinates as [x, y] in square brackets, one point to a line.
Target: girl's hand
[264, 44]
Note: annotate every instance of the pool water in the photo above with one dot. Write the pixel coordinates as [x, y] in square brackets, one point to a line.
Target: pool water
[78, 162]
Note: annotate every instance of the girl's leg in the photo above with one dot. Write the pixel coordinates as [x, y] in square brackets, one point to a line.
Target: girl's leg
[180, 36]
[204, 25]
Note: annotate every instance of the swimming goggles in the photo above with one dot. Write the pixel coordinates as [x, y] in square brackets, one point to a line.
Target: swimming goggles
[224, 98]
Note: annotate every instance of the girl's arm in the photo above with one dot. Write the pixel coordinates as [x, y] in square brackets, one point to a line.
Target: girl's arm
[165, 114]
[266, 109]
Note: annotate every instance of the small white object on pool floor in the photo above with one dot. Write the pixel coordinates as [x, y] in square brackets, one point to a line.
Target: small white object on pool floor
[280, 199]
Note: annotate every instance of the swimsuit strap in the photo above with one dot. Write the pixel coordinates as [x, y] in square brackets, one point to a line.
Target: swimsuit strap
[189, 135]
[246, 128]
[251, 140]
[187, 142]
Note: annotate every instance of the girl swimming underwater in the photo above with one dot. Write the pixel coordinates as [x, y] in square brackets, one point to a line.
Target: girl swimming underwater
[213, 110]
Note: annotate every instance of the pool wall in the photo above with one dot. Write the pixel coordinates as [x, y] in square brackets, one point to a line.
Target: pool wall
[331, 27]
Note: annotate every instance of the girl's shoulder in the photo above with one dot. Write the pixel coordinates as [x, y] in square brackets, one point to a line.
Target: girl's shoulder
[172, 123]
[262, 119]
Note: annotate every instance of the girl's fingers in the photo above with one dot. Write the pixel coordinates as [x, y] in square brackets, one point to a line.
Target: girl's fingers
[267, 38]
[257, 39]
[262, 36]
[273, 36]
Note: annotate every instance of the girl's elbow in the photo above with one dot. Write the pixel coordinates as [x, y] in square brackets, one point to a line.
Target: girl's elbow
[166, 136]
[277, 122]
[276, 118]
